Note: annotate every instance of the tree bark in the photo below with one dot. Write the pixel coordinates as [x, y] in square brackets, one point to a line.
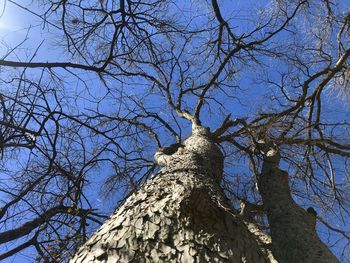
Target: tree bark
[293, 233]
[181, 215]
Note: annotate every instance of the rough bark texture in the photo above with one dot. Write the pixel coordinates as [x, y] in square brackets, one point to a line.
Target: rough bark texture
[293, 233]
[181, 215]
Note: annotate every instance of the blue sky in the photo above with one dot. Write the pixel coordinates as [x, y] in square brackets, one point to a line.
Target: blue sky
[14, 25]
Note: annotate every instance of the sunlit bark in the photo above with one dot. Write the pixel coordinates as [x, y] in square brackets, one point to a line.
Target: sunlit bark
[181, 215]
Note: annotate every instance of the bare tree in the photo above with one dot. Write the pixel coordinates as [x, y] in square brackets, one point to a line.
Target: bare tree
[237, 103]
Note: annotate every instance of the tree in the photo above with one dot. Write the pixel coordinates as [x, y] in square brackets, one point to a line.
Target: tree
[233, 179]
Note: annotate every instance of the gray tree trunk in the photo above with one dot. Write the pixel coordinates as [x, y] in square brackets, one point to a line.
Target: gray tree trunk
[293, 233]
[182, 215]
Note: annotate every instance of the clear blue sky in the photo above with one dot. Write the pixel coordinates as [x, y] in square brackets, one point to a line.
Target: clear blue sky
[15, 23]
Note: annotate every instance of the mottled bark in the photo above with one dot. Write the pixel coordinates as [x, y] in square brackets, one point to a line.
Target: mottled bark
[293, 233]
[181, 215]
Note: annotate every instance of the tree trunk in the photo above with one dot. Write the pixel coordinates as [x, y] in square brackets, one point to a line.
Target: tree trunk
[293, 233]
[181, 215]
